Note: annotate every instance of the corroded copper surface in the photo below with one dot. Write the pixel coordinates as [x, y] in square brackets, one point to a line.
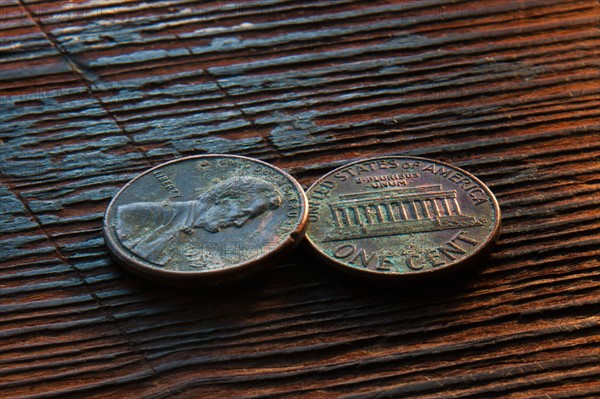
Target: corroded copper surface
[401, 218]
[205, 219]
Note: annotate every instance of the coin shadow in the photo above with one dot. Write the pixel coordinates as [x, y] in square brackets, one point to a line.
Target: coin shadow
[454, 285]
[186, 313]
[242, 289]
[236, 301]
[443, 286]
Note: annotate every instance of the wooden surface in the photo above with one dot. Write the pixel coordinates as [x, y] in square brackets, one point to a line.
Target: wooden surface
[93, 92]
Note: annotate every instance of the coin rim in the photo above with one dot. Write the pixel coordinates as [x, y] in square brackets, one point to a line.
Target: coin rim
[138, 265]
[429, 274]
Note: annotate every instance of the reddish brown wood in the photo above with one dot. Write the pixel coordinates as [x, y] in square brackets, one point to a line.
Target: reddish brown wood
[95, 92]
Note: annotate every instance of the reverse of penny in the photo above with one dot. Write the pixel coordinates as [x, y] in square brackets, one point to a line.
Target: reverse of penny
[401, 219]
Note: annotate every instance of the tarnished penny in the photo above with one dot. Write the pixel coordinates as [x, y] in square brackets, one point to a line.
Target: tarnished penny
[401, 218]
[205, 219]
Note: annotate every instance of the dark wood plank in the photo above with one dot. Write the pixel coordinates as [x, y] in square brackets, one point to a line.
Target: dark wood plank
[95, 92]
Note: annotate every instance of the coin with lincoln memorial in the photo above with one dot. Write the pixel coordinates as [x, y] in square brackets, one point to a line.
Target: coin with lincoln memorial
[205, 219]
[401, 218]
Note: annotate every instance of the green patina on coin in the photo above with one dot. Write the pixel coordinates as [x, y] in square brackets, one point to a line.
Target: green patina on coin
[205, 218]
[401, 218]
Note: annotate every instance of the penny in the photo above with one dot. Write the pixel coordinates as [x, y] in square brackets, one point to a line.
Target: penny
[401, 219]
[205, 219]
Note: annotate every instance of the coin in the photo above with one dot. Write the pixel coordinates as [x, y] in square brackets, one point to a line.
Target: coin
[401, 219]
[205, 219]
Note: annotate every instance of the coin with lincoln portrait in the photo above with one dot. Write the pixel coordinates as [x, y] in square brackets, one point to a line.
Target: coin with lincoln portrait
[205, 219]
[401, 219]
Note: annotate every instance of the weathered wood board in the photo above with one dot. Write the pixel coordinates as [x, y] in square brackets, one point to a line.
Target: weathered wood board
[93, 92]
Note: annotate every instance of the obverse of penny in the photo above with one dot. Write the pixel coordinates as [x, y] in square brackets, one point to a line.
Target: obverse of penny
[401, 219]
[205, 219]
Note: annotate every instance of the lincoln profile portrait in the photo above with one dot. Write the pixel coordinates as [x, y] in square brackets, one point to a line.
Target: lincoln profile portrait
[148, 228]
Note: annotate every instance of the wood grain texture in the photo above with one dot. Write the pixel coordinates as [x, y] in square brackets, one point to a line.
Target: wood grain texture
[93, 92]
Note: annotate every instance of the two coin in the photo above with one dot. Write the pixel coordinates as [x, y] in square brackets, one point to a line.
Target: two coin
[213, 218]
